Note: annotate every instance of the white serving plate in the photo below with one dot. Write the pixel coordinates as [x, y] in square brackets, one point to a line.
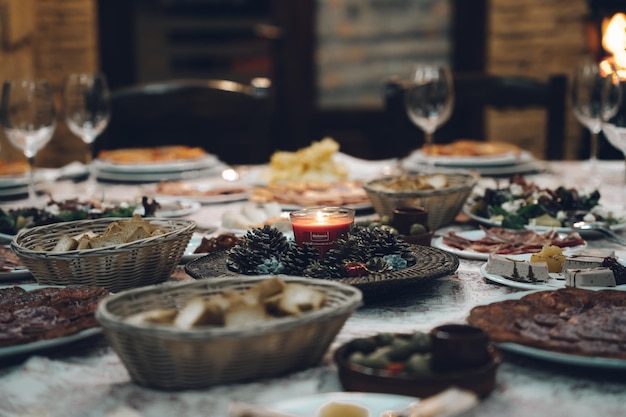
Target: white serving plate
[526, 164]
[509, 158]
[39, 345]
[467, 210]
[156, 167]
[477, 234]
[556, 281]
[309, 406]
[556, 357]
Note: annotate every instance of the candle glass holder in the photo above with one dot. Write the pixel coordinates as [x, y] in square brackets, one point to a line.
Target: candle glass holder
[320, 227]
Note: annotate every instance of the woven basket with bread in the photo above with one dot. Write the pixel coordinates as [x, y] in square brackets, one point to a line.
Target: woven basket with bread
[225, 330]
[113, 253]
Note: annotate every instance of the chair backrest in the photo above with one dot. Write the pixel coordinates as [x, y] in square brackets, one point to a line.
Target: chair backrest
[228, 119]
[474, 93]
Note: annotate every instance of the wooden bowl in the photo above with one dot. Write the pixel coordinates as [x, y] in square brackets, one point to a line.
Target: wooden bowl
[354, 377]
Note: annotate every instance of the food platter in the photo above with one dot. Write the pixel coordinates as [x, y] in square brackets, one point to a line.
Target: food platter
[308, 406]
[431, 263]
[157, 171]
[524, 164]
[553, 356]
[508, 158]
[160, 166]
[478, 234]
[557, 280]
[467, 210]
[40, 345]
[205, 192]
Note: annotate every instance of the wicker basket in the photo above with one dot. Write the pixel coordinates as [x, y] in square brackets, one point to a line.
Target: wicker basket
[442, 204]
[166, 357]
[116, 268]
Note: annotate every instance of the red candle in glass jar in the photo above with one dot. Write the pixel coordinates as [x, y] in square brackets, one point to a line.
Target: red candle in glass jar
[321, 226]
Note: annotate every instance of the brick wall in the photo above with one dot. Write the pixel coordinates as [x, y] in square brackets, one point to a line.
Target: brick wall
[534, 38]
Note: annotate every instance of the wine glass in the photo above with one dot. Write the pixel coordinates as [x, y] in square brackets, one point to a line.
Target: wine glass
[87, 112]
[616, 136]
[596, 97]
[28, 118]
[429, 99]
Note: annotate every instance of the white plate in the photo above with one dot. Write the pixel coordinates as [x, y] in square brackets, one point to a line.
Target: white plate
[157, 176]
[509, 158]
[189, 254]
[356, 206]
[156, 167]
[173, 207]
[44, 344]
[526, 164]
[309, 406]
[467, 210]
[557, 280]
[211, 199]
[557, 357]
[478, 234]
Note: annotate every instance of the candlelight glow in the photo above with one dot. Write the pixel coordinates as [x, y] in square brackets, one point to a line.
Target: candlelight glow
[614, 42]
[321, 217]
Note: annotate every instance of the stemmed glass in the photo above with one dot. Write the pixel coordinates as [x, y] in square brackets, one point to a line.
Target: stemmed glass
[596, 97]
[28, 118]
[87, 112]
[429, 99]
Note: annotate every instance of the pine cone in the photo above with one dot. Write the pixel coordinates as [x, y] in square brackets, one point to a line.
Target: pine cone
[243, 260]
[256, 247]
[296, 259]
[378, 265]
[316, 270]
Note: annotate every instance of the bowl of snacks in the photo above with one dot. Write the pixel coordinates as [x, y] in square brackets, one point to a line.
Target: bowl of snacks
[441, 193]
[406, 364]
[113, 253]
[224, 330]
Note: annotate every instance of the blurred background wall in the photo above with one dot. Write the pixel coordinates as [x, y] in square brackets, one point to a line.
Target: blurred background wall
[326, 58]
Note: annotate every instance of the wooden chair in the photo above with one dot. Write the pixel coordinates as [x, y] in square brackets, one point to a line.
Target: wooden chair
[473, 94]
[228, 119]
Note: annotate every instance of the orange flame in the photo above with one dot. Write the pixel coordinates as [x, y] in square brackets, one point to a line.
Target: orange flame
[614, 41]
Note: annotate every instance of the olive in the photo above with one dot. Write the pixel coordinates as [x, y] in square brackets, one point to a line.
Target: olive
[363, 344]
[384, 339]
[418, 364]
[400, 350]
[420, 342]
[385, 219]
[377, 359]
[390, 229]
[417, 229]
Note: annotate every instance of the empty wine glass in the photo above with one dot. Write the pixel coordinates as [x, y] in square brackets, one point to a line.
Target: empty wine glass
[28, 118]
[429, 100]
[596, 97]
[616, 136]
[87, 112]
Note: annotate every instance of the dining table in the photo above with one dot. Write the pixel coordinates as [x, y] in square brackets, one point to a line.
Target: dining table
[86, 377]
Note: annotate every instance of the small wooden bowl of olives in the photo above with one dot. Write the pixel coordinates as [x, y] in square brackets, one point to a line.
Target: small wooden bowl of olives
[401, 364]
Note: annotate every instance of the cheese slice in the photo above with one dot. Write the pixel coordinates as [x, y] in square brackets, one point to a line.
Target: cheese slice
[517, 270]
[582, 262]
[596, 253]
[591, 277]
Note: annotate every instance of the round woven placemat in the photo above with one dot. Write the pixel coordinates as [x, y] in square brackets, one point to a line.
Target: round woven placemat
[431, 263]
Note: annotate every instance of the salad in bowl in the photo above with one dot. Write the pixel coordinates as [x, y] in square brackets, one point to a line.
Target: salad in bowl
[521, 204]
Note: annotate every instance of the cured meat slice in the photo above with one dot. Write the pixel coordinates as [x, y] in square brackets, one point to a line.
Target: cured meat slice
[503, 241]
